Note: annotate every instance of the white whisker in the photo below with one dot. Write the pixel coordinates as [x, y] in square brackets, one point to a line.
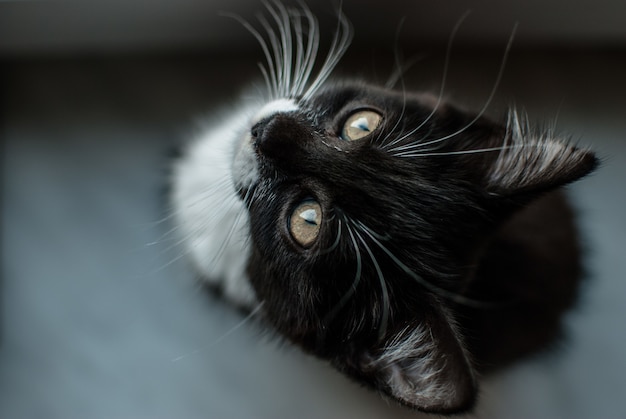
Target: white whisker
[401, 116]
[456, 153]
[297, 28]
[273, 86]
[486, 104]
[278, 54]
[357, 279]
[311, 50]
[236, 225]
[266, 77]
[289, 63]
[212, 215]
[335, 243]
[383, 285]
[429, 286]
[224, 336]
[398, 73]
[444, 78]
[283, 56]
[341, 41]
[401, 70]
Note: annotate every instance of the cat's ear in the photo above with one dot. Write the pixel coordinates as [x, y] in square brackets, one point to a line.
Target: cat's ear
[531, 162]
[424, 366]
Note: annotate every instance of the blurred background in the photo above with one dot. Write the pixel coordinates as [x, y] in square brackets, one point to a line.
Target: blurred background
[101, 316]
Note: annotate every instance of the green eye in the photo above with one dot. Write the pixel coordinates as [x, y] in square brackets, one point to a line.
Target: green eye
[360, 124]
[305, 222]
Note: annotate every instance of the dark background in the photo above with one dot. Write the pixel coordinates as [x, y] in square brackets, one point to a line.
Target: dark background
[98, 304]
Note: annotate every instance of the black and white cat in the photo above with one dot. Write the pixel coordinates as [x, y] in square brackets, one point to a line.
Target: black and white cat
[409, 243]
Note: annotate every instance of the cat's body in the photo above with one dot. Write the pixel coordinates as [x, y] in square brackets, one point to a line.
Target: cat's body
[411, 244]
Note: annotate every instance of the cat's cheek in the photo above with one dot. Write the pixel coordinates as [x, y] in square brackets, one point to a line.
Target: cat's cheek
[245, 168]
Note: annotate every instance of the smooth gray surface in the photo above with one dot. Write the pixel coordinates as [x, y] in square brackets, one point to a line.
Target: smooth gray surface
[98, 305]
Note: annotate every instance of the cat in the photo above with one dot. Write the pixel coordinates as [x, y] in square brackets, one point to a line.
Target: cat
[411, 244]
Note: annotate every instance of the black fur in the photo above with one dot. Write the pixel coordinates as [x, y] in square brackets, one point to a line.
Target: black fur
[461, 237]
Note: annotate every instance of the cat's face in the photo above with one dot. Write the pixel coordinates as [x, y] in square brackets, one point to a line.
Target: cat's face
[333, 183]
[368, 208]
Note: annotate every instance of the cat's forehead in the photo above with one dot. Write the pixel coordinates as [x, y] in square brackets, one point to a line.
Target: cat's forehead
[340, 93]
[334, 97]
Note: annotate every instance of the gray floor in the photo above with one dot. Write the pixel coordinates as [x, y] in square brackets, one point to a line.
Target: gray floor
[102, 318]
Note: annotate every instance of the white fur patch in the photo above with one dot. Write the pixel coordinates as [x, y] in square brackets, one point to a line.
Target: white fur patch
[412, 370]
[244, 164]
[274, 107]
[210, 216]
[528, 157]
[211, 219]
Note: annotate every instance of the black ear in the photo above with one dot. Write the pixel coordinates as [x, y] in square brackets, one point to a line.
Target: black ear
[531, 162]
[424, 366]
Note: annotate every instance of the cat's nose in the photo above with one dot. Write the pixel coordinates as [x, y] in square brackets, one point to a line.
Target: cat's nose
[258, 128]
[260, 137]
[268, 133]
[279, 135]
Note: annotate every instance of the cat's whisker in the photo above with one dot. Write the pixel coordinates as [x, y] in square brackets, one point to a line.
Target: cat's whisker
[398, 72]
[266, 78]
[412, 146]
[288, 44]
[490, 98]
[444, 78]
[385, 310]
[220, 339]
[272, 81]
[380, 237]
[451, 296]
[335, 243]
[289, 64]
[299, 56]
[248, 198]
[210, 220]
[169, 234]
[340, 43]
[401, 77]
[201, 196]
[357, 277]
[214, 213]
[310, 55]
[166, 236]
[398, 120]
[401, 70]
[462, 152]
[236, 225]
[178, 244]
[284, 54]
[277, 54]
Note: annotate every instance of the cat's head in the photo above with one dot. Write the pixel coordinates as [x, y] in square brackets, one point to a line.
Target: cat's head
[368, 208]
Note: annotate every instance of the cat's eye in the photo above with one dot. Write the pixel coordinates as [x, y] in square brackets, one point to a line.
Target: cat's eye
[305, 222]
[360, 124]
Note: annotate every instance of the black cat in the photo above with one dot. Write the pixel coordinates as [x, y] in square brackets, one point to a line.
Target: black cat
[411, 244]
